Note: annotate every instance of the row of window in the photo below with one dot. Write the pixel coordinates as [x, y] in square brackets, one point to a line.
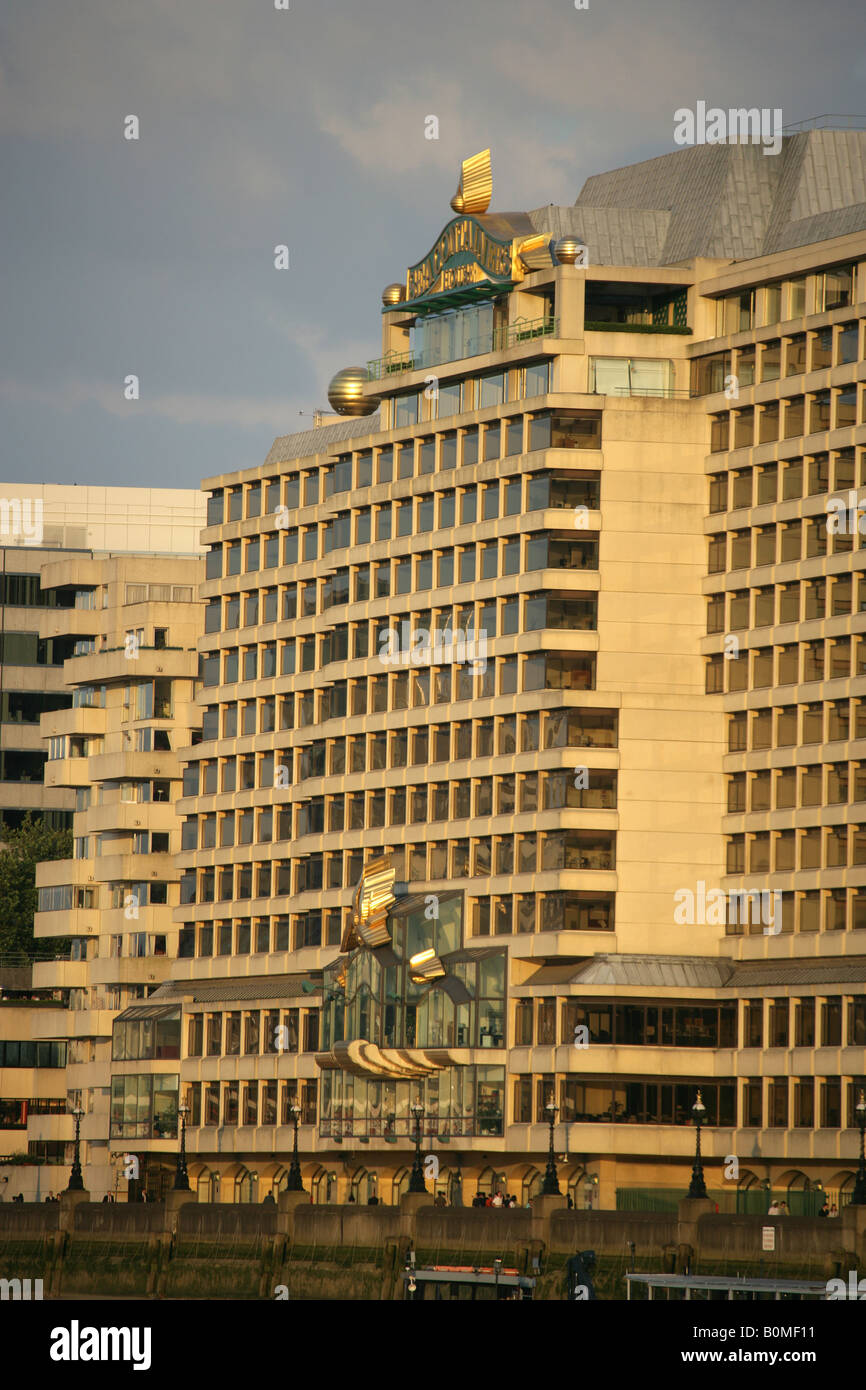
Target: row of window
[782, 300]
[560, 429]
[786, 726]
[827, 847]
[251, 1102]
[788, 787]
[439, 685]
[410, 516]
[254, 1031]
[836, 596]
[13, 1113]
[787, 481]
[335, 757]
[499, 915]
[836, 345]
[789, 665]
[831, 408]
[27, 706]
[463, 858]
[416, 805]
[777, 544]
[32, 1054]
[835, 909]
[458, 565]
[773, 1104]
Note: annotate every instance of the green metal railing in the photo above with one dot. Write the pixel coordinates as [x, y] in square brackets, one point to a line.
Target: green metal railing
[522, 331]
[390, 363]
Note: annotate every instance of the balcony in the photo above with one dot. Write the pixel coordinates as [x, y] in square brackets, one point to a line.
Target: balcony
[113, 664]
[499, 339]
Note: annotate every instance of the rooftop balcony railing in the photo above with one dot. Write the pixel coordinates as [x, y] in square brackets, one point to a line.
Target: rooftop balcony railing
[507, 336]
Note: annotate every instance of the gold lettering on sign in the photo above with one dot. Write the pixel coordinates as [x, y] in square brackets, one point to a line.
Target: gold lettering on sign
[463, 235]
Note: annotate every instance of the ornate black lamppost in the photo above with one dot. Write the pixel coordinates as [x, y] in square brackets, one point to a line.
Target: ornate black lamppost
[551, 1181]
[296, 1182]
[181, 1176]
[76, 1180]
[858, 1196]
[697, 1186]
[416, 1178]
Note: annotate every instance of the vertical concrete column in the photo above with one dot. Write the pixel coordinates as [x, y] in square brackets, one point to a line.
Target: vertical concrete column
[173, 1203]
[689, 1213]
[395, 338]
[286, 1208]
[409, 1204]
[68, 1202]
[569, 298]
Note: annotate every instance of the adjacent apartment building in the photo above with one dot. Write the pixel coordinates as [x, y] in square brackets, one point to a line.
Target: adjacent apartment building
[125, 626]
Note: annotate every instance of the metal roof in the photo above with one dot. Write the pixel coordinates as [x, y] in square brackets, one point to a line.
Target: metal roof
[323, 440]
[792, 972]
[259, 987]
[696, 972]
[150, 1011]
[725, 201]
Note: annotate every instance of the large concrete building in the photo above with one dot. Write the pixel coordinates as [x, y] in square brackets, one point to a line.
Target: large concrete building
[526, 690]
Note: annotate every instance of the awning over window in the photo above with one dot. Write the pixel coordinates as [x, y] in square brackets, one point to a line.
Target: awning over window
[139, 1011]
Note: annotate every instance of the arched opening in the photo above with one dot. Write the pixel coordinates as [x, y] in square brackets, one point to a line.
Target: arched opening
[489, 1183]
[399, 1185]
[582, 1188]
[531, 1185]
[246, 1186]
[323, 1186]
[753, 1194]
[365, 1187]
[207, 1189]
[840, 1191]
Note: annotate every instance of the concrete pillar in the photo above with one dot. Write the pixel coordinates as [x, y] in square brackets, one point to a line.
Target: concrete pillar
[68, 1202]
[409, 1204]
[542, 1210]
[395, 337]
[569, 300]
[286, 1208]
[853, 1222]
[689, 1212]
[173, 1203]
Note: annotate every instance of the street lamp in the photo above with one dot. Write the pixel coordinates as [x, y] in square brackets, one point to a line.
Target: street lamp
[296, 1182]
[551, 1181]
[76, 1180]
[416, 1178]
[181, 1176]
[858, 1196]
[697, 1186]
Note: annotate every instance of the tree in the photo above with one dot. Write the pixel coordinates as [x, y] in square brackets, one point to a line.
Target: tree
[21, 850]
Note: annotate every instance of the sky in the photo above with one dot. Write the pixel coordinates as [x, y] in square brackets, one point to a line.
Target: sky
[305, 127]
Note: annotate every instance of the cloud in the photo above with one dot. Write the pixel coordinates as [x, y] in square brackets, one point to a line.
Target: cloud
[246, 412]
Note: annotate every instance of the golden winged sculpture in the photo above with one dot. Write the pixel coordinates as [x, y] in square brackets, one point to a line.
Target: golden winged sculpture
[475, 188]
[371, 903]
